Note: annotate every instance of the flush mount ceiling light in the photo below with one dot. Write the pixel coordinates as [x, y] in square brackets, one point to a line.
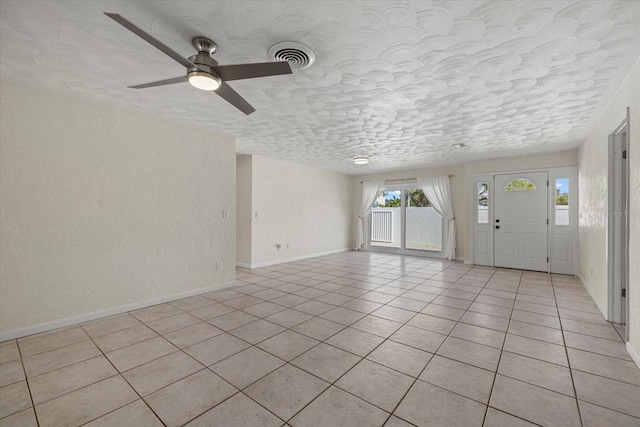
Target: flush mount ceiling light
[204, 81]
[459, 146]
[360, 160]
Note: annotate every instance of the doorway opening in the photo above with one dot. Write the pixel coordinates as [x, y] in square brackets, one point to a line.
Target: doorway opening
[618, 225]
[526, 220]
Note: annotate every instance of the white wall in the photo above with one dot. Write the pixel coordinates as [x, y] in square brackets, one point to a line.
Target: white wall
[593, 200]
[462, 185]
[243, 209]
[306, 208]
[104, 207]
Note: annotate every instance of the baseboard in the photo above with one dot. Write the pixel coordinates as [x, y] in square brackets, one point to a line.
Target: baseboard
[467, 262]
[633, 353]
[285, 260]
[603, 311]
[81, 318]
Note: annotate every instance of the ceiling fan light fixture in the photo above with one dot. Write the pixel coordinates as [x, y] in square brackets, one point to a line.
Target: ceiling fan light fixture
[360, 160]
[204, 81]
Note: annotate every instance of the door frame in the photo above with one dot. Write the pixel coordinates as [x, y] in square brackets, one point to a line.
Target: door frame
[570, 172]
[617, 226]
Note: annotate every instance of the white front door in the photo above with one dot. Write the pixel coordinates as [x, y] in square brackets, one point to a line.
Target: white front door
[520, 221]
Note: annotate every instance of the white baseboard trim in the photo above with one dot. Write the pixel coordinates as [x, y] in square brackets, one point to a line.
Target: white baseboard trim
[468, 262]
[603, 310]
[243, 264]
[81, 318]
[285, 260]
[633, 353]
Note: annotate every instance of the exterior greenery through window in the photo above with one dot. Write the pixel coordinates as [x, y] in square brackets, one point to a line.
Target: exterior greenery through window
[483, 203]
[415, 198]
[562, 201]
[483, 194]
[521, 184]
[562, 195]
[403, 219]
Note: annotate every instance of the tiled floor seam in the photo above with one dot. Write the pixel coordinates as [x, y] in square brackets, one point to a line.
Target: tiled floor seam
[348, 370]
[24, 371]
[484, 420]
[415, 313]
[204, 367]
[573, 384]
[125, 380]
[417, 378]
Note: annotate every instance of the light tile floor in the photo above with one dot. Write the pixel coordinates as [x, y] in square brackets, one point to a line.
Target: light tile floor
[352, 339]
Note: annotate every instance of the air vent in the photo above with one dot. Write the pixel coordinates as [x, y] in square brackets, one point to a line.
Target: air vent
[298, 55]
[459, 146]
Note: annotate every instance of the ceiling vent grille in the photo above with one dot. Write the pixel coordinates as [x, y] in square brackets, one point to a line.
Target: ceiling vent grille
[297, 54]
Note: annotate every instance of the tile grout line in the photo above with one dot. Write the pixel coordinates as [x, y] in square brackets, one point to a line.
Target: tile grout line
[26, 380]
[124, 379]
[363, 358]
[365, 314]
[566, 352]
[495, 375]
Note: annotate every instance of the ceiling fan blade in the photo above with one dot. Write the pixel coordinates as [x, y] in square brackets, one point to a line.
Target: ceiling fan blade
[249, 71]
[151, 40]
[231, 96]
[180, 79]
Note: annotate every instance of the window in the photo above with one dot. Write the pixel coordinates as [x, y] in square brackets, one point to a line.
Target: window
[404, 219]
[483, 203]
[423, 228]
[562, 201]
[385, 219]
[520, 184]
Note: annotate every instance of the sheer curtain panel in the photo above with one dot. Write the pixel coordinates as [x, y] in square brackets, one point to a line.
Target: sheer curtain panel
[370, 191]
[437, 190]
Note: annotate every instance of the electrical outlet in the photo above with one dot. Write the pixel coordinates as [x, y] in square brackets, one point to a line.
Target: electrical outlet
[225, 214]
[287, 246]
[256, 214]
[219, 265]
[278, 246]
[591, 271]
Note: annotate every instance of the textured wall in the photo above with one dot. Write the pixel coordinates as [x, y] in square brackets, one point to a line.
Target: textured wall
[593, 201]
[243, 209]
[103, 207]
[308, 208]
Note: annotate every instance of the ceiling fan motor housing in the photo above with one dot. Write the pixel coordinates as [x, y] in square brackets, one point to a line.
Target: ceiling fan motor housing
[203, 44]
[203, 59]
[204, 63]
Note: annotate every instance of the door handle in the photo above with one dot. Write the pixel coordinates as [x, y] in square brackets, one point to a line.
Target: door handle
[497, 227]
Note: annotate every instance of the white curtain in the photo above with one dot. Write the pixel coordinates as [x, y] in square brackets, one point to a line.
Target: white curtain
[370, 191]
[437, 190]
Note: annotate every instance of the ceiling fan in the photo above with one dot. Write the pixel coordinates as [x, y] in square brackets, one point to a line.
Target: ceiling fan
[203, 72]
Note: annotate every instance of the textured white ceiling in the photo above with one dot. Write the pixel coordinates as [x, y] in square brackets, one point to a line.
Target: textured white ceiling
[399, 82]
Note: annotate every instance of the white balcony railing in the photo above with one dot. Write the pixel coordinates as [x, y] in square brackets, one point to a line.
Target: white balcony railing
[381, 226]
